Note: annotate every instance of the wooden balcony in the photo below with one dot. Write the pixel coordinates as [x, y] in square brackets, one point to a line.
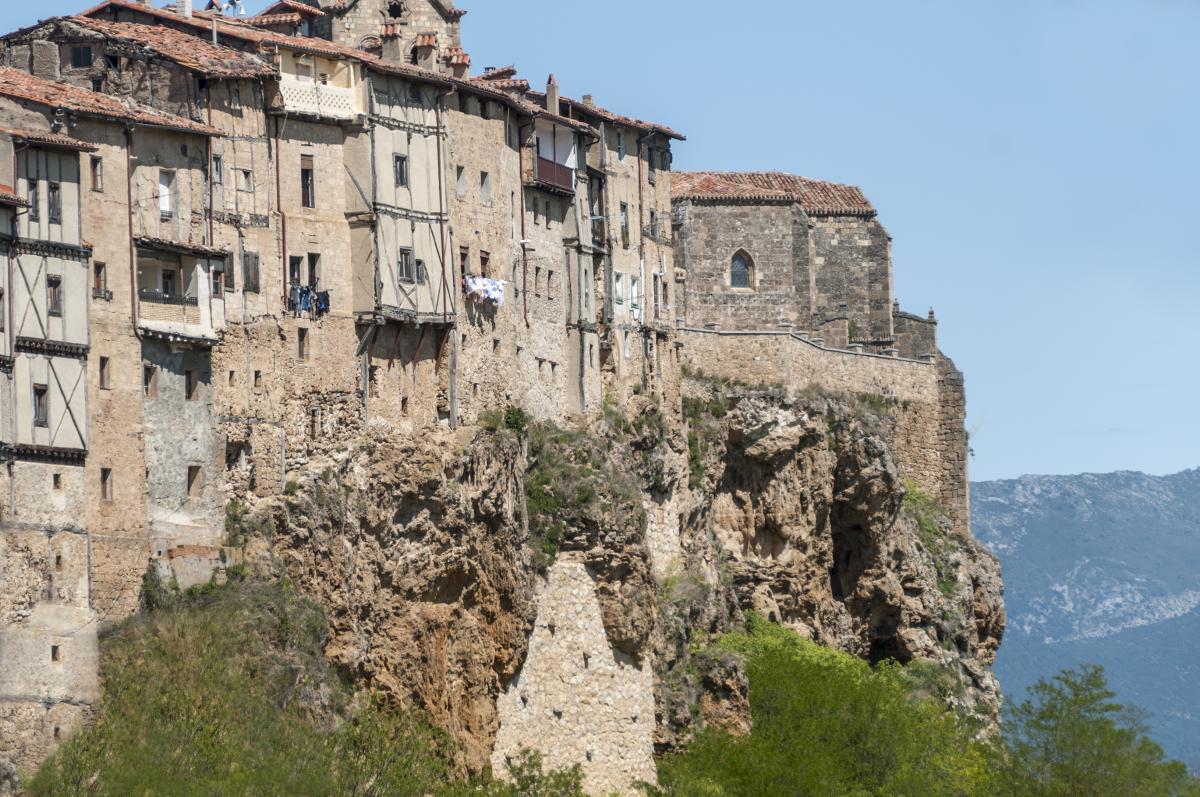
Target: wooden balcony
[554, 176]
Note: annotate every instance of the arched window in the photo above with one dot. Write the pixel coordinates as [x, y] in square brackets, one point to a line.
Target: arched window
[741, 271]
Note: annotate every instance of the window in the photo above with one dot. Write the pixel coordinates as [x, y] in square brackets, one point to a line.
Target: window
[619, 289]
[218, 283]
[166, 192]
[97, 85]
[1, 309]
[41, 408]
[422, 277]
[54, 199]
[464, 261]
[113, 62]
[97, 173]
[191, 385]
[105, 374]
[106, 484]
[625, 225]
[405, 270]
[308, 187]
[653, 224]
[314, 270]
[460, 180]
[484, 260]
[400, 167]
[414, 92]
[246, 180]
[634, 293]
[549, 284]
[168, 282]
[218, 170]
[81, 57]
[621, 144]
[395, 9]
[257, 379]
[149, 381]
[250, 278]
[195, 481]
[54, 303]
[294, 266]
[304, 69]
[99, 278]
[35, 205]
[485, 188]
[739, 271]
[55, 655]
[56, 483]
[302, 343]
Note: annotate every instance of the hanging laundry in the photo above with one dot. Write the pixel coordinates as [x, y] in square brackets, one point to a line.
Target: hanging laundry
[484, 290]
[294, 299]
[322, 303]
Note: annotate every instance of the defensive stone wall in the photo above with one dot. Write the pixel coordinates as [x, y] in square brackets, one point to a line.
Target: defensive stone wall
[927, 398]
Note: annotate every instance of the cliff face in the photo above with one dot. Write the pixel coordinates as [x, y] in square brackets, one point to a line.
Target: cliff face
[553, 589]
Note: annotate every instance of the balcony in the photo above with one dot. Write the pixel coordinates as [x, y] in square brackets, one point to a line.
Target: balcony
[554, 176]
[158, 306]
[317, 99]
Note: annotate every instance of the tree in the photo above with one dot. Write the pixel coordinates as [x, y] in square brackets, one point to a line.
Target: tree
[1070, 739]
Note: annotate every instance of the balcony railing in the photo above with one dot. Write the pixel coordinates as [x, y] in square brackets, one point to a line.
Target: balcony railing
[317, 99]
[158, 306]
[555, 174]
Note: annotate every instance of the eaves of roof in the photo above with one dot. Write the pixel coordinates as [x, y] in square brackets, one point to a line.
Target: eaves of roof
[48, 139]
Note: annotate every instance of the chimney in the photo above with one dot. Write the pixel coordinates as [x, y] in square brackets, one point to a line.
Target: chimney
[184, 8]
[552, 94]
[588, 100]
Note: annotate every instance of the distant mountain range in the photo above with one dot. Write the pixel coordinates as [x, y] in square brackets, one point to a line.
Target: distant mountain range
[1103, 568]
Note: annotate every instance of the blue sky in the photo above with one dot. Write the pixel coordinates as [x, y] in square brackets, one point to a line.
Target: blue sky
[1035, 160]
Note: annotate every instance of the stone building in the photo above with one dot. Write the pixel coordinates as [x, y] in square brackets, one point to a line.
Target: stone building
[790, 279]
[235, 242]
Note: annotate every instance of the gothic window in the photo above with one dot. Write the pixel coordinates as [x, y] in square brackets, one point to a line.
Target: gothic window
[395, 9]
[741, 270]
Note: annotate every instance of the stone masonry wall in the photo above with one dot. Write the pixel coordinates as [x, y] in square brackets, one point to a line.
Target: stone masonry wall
[577, 700]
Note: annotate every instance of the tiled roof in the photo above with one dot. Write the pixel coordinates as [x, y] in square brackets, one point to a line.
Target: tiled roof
[48, 139]
[7, 197]
[266, 20]
[814, 196]
[456, 55]
[283, 6]
[427, 40]
[188, 248]
[192, 52]
[232, 28]
[22, 85]
[499, 73]
[607, 116]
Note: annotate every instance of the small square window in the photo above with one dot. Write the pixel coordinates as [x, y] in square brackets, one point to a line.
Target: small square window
[97, 85]
[81, 57]
[105, 374]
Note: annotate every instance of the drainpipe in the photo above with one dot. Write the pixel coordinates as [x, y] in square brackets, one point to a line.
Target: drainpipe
[133, 289]
[446, 292]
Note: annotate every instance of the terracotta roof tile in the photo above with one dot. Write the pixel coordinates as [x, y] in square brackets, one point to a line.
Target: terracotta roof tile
[427, 40]
[22, 85]
[814, 196]
[49, 139]
[7, 197]
[191, 52]
[282, 6]
[266, 20]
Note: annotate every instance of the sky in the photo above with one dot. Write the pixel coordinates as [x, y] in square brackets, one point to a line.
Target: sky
[1034, 160]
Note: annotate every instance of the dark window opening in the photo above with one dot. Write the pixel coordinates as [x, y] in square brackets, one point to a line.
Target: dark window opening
[250, 278]
[302, 344]
[314, 270]
[81, 57]
[149, 381]
[191, 385]
[105, 376]
[406, 271]
[106, 484]
[55, 655]
[54, 298]
[114, 63]
[218, 169]
[97, 173]
[400, 166]
[41, 408]
[739, 271]
[195, 481]
[35, 205]
[395, 9]
[308, 185]
[484, 259]
[56, 482]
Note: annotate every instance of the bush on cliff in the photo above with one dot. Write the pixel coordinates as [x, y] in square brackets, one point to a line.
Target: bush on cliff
[225, 691]
[826, 723]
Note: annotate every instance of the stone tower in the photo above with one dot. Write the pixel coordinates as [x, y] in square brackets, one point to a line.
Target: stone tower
[421, 32]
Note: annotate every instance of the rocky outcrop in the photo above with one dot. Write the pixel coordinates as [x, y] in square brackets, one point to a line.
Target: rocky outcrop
[554, 588]
[818, 531]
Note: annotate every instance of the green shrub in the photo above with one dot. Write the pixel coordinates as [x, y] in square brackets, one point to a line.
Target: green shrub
[826, 723]
[291, 487]
[931, 519]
